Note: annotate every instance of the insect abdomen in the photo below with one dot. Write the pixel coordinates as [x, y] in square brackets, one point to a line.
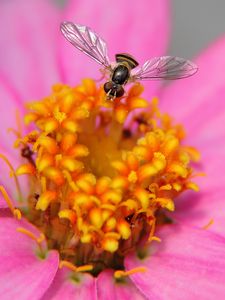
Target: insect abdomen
[125, 57]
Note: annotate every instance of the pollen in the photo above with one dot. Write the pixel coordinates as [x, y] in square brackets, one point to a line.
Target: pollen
[95, 192]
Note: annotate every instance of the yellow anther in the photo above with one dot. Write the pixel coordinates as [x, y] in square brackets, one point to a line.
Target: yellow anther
[15, 211]
[177, 187]
[79, 151]
[132, 160]
[109, 207]
[26, 169]
[17, 214]
[159, 161]
[166, 202]
[178, 169]
[39, 107]
[67, 103]
[166, 187]
[50, 125]
[192, 186]
[154, 238]
[71, 164]
[138, 103]
[195, 155]
[110, 244]
[131, 204]
[70, 266]
[152, 230]
[170, 146]
[45, 199]
[80, 113]
[44, 161]
[119, 183]
[120, 273]
[31, 117]
[68, 214]
[143, 197]
[48, 143]
[86, 238]
[68, 141]
[121, 114]
[41, 238]
[110, 224]
[70, 181]
[59, 116]
[124, 229]
[55, 175]
[95, 216]
[120, 167]
[132, 177]
[102, 184]
[113, 235]
[84, 185]
[70, 125]
[112, 196]
[147, 171]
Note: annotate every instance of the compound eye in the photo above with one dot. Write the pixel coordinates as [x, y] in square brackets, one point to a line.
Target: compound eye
[108, 86]
[119, 91]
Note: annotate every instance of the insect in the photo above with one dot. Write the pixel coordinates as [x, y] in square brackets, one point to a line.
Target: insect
[125, 69]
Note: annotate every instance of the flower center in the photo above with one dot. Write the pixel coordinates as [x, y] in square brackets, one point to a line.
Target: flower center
[101, 175]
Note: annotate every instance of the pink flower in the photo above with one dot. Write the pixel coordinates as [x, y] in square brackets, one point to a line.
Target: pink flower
[189, 263]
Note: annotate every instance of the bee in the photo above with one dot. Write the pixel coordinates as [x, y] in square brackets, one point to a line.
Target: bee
[126, 69]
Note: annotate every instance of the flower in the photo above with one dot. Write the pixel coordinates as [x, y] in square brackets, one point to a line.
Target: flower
[188, 263]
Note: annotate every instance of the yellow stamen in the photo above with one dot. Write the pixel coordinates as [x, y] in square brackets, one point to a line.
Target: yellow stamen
[26, 169]
[151, 234]
[67, 264]
[120, 273]
[70, 180]
[45, 199]
[39, 240]
[155, 238]
[110, 244]
[5, 159]
[15, 211]
[68, 214]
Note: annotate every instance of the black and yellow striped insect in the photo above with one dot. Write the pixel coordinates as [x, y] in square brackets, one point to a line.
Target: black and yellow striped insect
[125, 69]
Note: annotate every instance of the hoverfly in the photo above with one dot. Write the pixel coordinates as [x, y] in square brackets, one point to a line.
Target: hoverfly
[126, 68]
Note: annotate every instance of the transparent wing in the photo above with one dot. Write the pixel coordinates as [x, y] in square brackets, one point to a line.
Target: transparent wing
[87, 41]
[165, 67]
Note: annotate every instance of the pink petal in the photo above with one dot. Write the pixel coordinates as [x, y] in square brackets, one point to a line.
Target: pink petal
[141, 29]
[188, 264]
[110, 289]
[68, 285]
[208, 204]
[201, 209]
[200, 98]
[28, 38]
[23, 275]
